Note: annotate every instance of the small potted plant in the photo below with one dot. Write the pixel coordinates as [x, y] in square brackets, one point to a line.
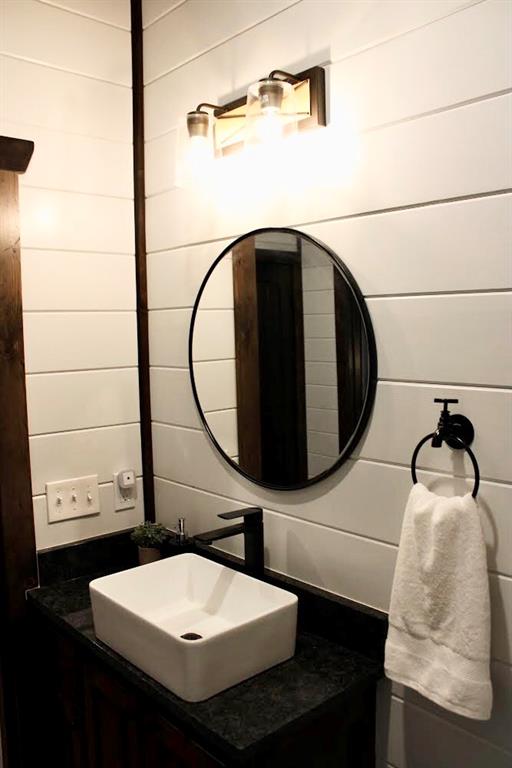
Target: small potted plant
[149, 538]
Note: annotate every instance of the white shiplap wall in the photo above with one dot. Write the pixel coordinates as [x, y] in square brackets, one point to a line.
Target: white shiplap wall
[411, 186]
[65, 83]
[322, 425]
[214, 358]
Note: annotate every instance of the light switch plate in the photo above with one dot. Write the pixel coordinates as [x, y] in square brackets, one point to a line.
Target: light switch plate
[124, 499]
[77, 497]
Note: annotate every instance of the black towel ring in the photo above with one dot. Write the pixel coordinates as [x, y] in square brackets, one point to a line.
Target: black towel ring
[449, 430]
[462, 445]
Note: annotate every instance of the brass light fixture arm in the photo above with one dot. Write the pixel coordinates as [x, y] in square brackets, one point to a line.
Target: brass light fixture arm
[279, 74]
[207, 105]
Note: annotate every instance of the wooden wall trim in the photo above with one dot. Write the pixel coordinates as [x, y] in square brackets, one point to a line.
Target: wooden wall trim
[15, 154]
[139, 195]
[18, 559]
[247, 357]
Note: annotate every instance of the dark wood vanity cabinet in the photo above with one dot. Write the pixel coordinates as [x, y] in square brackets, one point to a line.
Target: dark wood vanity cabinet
[55, 720]
[111, 721]
[85, 716]
[168, 746]
[121, 732]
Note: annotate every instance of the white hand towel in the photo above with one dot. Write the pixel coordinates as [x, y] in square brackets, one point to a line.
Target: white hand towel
[439, 620]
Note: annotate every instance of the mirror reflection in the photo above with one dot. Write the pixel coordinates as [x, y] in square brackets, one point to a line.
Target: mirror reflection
[282, 358]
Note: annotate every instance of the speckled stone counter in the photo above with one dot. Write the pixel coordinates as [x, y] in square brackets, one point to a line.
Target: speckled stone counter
[322, 677]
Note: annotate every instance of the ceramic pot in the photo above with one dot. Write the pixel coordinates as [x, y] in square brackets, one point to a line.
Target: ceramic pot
[148, 555]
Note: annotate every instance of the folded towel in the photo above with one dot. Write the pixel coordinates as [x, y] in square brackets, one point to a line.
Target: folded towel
[439, 619]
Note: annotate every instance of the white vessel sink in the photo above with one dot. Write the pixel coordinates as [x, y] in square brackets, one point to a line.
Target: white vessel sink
[195, 626]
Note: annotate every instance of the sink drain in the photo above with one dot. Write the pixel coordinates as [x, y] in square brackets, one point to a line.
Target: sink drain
[191, 636]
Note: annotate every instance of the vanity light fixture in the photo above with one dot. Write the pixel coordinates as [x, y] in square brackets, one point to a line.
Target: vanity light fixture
[199, 150]
[198, 120]
[277, 105]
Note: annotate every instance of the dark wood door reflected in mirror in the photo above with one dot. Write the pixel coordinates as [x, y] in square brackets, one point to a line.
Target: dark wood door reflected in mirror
[282, 358]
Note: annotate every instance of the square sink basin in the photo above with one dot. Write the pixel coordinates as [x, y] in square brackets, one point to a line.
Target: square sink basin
[193, 625]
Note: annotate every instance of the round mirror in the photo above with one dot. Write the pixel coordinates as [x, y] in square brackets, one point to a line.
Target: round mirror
[282, 358]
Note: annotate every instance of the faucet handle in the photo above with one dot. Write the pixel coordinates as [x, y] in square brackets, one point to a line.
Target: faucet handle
[245, 512]
[180, 530]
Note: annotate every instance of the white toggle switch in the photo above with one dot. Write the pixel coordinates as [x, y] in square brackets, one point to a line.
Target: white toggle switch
[78, 497]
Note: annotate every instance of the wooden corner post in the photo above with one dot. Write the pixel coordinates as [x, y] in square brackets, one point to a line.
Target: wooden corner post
[18, 559]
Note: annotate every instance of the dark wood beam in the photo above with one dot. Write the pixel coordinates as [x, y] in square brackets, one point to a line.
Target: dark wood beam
[139, 193]
[247, 357]
[18, 560]
[15, 154]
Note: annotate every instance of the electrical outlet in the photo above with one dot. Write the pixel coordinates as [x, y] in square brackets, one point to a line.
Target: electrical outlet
[125, 497]
[67, 499]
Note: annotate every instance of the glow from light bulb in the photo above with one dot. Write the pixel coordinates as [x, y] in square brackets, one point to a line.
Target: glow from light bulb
[196, 165]
[269, 127]
[267, 184]
[328, 158]
[241, 186]
[282, 178]
[45, 218]
[199, 154]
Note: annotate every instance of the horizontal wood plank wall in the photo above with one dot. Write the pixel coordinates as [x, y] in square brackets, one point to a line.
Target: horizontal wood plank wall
[411, 184]
[66, 85]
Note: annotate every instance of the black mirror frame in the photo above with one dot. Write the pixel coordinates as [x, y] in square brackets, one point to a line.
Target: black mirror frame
[372, 361]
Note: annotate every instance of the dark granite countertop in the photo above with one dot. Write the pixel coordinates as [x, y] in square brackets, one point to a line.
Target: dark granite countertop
[236, 723]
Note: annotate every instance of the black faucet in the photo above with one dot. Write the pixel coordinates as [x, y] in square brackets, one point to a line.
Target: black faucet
[252, 529]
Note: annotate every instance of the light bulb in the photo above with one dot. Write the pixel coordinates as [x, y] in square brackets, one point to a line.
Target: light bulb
[268, 111]
[194, 152]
